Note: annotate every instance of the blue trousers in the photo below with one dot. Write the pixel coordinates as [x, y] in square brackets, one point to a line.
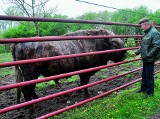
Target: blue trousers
[147, 83]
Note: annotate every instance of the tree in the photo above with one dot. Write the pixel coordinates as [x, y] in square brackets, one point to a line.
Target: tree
[1, 32]
[95, 16]
[33, 8]
[12, 11]
[54, 28]
[3, 25]
[26, 29]
[129, 16]
[156, 17]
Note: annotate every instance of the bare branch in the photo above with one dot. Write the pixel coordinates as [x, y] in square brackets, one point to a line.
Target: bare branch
[33, 9]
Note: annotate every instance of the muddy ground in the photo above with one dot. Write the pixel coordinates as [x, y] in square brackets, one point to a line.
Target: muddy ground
[8, 98]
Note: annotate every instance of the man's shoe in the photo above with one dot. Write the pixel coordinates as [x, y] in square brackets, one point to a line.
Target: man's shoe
[139, 91]
[147, 95]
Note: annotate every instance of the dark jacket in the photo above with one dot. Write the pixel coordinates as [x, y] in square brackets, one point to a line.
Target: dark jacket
[150, 45]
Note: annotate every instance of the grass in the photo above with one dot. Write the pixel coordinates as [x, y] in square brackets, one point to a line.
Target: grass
[43, 85]
[6, 57]
[72, 78]
[99, 74]
[123, 104]
[4, 49]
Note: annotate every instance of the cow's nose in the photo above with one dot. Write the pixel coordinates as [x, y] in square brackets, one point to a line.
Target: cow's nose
[125, 56]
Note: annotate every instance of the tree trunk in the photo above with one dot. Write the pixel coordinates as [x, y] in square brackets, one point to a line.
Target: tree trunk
[37, 28]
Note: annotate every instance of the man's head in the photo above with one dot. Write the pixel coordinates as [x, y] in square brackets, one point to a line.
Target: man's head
[145, 24]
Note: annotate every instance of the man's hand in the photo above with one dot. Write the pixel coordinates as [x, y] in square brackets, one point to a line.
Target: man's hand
[133, 54]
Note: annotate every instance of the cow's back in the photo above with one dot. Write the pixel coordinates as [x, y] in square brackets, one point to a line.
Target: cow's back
[33, 50]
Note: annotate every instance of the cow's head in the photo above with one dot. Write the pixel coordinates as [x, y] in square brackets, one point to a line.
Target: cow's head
[117, 43]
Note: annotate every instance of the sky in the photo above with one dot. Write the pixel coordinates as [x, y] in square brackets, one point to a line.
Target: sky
[73, 8]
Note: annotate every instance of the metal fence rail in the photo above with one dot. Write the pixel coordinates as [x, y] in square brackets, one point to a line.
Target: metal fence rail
[58, 38]
[25, 83]
[63, 92]
[88, 100]
[39, 19]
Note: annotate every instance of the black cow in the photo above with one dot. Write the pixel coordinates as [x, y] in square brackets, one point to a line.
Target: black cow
[31, 50]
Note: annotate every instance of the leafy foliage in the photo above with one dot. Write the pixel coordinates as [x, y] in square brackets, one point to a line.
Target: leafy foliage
[54, 28]
[129, 16]
[25, 29]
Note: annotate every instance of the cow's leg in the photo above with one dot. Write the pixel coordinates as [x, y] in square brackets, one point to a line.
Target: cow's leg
[26, 92]
[58, 85]
[33, 93]
[32, 73]
[29, 90]
[18, 95]
[84, 79]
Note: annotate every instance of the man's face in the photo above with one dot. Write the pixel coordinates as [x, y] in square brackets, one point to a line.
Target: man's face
[145, 26]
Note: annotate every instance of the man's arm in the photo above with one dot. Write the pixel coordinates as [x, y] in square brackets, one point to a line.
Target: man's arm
[156, 45]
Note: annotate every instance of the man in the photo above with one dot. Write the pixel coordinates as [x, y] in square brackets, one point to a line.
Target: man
[150, 52]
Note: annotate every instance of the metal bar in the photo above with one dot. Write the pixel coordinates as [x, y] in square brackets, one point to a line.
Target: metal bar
[85, 101]
[60, 38]
[29, 61]
[88, 100]
[7, 109]
[39, 19]
[16, 85]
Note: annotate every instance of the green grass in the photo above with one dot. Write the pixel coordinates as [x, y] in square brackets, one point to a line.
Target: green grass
[100, 75]
[72, 78]
[157, 75]
[123, 104]
[4, 49]
[43, 85]
[6, 57]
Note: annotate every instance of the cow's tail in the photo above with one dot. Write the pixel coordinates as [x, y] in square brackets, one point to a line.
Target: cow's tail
[18, 73]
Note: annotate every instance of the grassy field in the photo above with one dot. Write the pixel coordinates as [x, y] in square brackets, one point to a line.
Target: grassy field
[6, 71]
[123, 104]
